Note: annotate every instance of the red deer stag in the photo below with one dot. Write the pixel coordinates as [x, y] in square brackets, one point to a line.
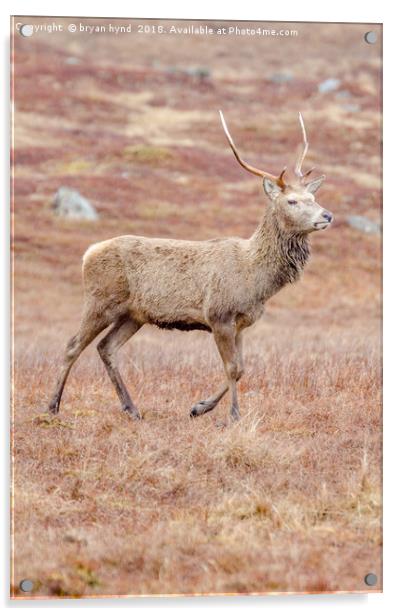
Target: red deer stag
[218, 285]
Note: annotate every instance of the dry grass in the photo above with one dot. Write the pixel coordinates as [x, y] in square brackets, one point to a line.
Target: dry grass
[289, 498]
[286, 500]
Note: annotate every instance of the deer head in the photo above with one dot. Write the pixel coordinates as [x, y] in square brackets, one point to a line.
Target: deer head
[293, 202]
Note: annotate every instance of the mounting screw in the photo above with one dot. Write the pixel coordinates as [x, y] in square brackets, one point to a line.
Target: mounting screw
[370, 37]
[26, 585]
[26, 30]
[370, 579]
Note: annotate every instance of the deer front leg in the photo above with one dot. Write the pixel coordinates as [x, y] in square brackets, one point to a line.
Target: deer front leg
[225, 338]
[230, 348]
[204, 406]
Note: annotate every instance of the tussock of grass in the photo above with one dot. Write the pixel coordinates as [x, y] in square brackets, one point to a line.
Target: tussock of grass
[146, 153]
[74, 167]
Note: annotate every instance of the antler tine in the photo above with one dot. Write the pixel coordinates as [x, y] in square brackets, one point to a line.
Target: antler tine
[301, 157]
[280, 180]
[275, 178]
[305, 175]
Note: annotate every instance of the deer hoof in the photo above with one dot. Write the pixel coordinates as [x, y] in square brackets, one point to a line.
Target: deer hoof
[135, 416]
[203, 406]
[235, 414]
[199, 409]
[132, 413]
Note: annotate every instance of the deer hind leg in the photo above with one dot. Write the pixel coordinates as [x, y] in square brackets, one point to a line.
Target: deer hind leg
[91, 325]
[120, 333]
[232, 347]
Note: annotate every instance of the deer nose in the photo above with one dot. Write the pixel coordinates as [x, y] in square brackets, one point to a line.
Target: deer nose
[327, 215]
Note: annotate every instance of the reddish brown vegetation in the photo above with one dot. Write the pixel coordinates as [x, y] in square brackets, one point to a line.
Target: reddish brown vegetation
[289, 498]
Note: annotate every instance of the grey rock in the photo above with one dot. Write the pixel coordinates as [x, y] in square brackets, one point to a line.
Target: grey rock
[72, 60]
[364, 224]
[281, 77]
[343, 94]
[351, 107]
[68, 203]
[329, 85]
[201, 72]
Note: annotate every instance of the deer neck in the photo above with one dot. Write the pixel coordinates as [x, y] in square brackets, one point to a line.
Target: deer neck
[278, 255]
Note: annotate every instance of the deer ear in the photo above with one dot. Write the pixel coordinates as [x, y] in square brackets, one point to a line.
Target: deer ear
[315, 184]
[271, 188]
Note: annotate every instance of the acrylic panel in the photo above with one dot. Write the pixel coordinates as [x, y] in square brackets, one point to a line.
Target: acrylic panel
[196, 311]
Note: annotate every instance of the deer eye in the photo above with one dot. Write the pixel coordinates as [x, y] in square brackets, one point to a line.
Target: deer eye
[292, 202]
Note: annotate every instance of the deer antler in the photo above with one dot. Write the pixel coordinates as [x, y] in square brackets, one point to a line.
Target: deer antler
[302, 154]
[278, 179]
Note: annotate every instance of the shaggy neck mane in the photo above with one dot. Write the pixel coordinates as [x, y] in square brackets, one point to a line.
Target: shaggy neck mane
[281, 252]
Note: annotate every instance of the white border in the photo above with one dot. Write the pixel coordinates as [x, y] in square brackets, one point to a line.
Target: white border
[289, 10]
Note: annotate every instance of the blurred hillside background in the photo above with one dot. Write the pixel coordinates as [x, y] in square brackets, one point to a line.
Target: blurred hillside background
[131, 122]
